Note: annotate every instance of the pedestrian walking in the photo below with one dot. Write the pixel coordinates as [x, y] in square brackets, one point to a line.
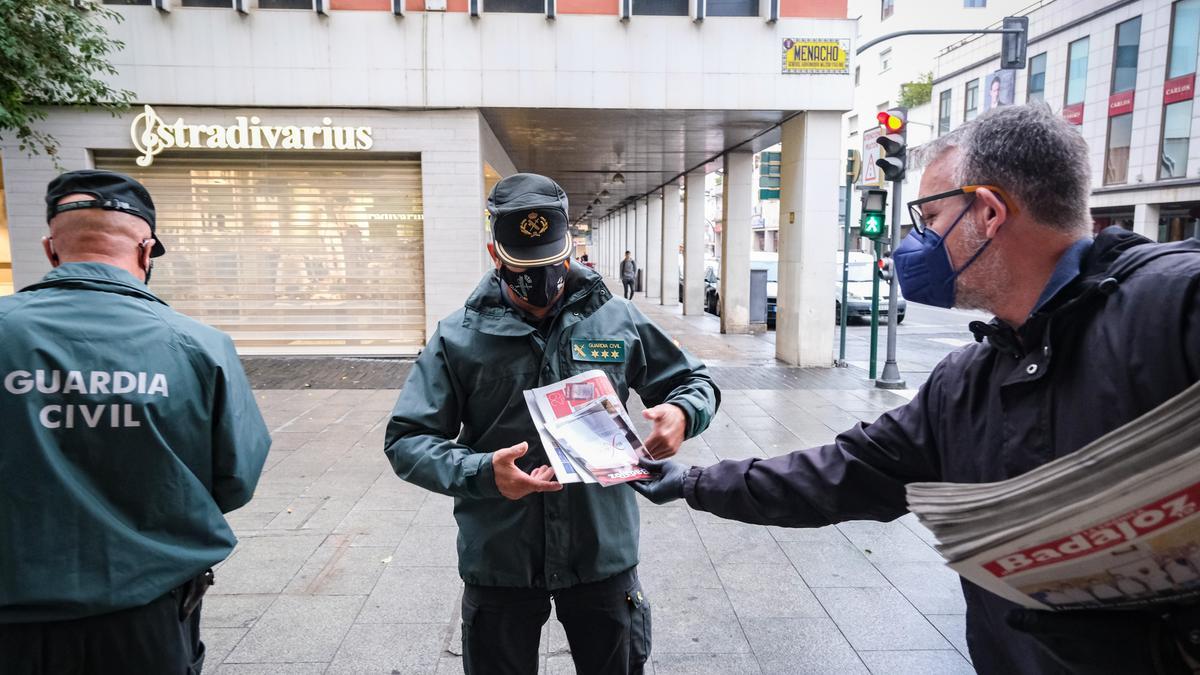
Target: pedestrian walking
[1088, 335]
[129, 430]
[629, 274]
[461, 427]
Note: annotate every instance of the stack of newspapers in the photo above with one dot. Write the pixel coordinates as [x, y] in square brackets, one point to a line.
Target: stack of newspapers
[1115, 524]
[586, 432]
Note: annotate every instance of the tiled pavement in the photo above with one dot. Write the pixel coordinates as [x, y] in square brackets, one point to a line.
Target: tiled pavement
[344, 568]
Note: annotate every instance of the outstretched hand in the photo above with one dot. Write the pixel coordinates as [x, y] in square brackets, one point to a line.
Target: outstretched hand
[670, 425]
[514, 483]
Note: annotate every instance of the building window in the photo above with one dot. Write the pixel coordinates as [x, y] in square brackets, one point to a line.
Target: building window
[1177, 115]
[280, 4]
[885, 60]
[1116, 157]
[852, 125]
[1037, 79]
[509, 6]
[660, 7]
[221, 4]
[1125, 55]
[1077, 62]
[974, 3]
[886, 8]
[971, 105]
[944, 112]
[731, 8]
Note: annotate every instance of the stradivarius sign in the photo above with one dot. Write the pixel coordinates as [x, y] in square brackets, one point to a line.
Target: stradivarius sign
[152, 134]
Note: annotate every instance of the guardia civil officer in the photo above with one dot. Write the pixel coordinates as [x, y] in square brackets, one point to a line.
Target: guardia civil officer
[1088, 335]
[128, 430]
[461, 427]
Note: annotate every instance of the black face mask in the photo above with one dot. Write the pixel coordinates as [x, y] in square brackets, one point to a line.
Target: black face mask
[538, 286]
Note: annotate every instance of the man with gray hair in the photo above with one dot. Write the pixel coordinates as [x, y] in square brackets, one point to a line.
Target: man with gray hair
[1088, 335]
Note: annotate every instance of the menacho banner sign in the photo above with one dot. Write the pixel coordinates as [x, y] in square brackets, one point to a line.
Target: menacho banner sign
[816, 56]
[151, 135]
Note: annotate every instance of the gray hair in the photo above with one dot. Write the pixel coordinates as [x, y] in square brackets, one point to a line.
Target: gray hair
[1034, 155]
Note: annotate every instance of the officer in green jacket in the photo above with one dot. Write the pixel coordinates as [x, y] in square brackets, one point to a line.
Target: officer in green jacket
[461, 428]
[128, 430]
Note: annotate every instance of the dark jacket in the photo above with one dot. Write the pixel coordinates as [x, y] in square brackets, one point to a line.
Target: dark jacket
[1120, 339]
[463, 400]
[129, 429]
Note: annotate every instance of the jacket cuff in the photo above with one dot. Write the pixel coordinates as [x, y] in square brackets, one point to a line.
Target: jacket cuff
[480, 476]
[689, 488]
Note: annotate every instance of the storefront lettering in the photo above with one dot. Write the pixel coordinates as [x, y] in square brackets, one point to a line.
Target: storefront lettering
[151, 135]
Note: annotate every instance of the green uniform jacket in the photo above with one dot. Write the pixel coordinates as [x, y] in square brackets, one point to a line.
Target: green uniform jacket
[128, 430]
[463, 401]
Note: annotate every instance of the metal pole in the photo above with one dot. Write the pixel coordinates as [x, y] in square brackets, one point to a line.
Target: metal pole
[891, 372]
[875, 310]
[845, 264]
[935, 31]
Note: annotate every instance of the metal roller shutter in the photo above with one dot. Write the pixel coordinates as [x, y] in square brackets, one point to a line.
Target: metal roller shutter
[292, 256]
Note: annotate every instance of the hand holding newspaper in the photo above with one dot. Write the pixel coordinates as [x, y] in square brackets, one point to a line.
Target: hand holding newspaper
[586, 432]
[1115, 524]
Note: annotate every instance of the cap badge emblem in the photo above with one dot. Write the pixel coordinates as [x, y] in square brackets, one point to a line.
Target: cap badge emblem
[534, 225]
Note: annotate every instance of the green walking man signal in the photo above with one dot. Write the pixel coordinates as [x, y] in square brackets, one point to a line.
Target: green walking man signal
[874, 205]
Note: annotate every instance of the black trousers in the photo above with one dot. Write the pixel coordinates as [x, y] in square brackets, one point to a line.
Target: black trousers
[607, 625]
[628, 285]
[150, 639]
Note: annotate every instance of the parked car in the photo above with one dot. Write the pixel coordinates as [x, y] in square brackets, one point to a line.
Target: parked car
[711, 265]
[758, 261]
[858, 297]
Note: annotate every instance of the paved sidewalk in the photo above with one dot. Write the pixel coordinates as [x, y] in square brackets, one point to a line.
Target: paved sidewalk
[343, 567]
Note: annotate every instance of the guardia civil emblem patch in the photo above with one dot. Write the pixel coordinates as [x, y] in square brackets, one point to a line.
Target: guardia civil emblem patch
[534, 225]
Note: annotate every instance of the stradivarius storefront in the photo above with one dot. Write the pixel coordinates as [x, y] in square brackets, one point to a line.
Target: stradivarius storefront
[295, 231]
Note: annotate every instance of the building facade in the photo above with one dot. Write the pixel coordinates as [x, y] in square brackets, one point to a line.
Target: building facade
[321, 166]
[1124, 72]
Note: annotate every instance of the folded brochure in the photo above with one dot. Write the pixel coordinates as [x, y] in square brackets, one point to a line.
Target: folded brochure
[586, 432]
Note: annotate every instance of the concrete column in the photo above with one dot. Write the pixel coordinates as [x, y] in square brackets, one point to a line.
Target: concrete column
[736, 235]
[654, 234]
[672, 237]
[808, 227]
[639, 237]
[693, 243]
[627, 213]
[1145, 220]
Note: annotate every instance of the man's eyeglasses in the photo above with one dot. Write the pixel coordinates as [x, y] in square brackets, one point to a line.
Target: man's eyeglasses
[918, 218]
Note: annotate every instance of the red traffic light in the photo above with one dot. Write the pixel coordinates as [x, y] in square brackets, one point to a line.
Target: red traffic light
[892, 123]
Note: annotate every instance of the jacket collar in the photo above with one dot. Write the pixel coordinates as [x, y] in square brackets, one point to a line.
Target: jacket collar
[486, 311]
[94, 276]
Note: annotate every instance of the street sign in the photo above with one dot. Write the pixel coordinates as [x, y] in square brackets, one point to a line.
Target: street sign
[871, 176]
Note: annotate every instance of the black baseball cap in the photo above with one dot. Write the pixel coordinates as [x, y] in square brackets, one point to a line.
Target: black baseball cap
[110, 190]
[529, 221]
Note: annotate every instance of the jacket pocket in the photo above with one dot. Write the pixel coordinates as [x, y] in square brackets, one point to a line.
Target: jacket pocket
[639, 627]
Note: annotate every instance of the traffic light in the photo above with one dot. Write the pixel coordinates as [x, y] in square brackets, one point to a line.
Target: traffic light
[874, 205]
[884, 268]
[1014, 45]
[893, 140]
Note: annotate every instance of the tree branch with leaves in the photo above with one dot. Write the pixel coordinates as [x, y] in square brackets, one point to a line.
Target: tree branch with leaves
[917, 92]
[54, 53]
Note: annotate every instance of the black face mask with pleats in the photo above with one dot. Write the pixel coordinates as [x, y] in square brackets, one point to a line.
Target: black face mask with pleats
[538, 286]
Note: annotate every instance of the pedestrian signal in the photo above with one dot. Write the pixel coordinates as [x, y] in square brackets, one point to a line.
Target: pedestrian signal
[874, 204]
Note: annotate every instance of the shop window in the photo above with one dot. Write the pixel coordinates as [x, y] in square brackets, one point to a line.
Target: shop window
[1177, 126]
[515, 6]
[1177, 114]
[731, 8]
[944, 112]
[971, 101]
[886, 8]
[1125, 55]
[1037, 79]
[1116, 157]
[660, 7]
[1179, 223]
[1077, 63]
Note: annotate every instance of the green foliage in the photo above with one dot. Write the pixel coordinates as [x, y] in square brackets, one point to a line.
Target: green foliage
[53, 53]
[917, 92]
